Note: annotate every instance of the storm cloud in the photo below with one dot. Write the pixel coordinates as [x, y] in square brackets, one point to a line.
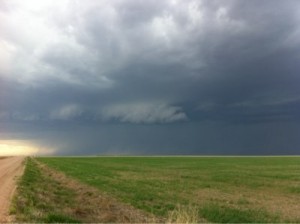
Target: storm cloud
[151, 77]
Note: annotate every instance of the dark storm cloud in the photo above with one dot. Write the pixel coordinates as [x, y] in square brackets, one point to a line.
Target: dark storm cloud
[170, 77]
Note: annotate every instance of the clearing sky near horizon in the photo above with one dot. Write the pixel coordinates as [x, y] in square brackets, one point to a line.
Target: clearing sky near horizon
[150, 77]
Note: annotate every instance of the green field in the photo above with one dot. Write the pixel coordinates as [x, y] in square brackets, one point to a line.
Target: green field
[218, 189]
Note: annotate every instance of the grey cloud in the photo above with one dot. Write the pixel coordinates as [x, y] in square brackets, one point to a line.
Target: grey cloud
[66, 112]
[203, 138]
[195, 69]
[144, 113]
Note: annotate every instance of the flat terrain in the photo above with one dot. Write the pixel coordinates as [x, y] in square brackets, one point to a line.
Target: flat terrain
[48, 196]
[10, 169]
[214, 189]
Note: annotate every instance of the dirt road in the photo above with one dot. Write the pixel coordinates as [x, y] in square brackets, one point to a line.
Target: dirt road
[10, 169]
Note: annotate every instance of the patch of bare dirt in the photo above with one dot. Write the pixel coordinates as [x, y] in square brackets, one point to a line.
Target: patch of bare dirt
[10, 169]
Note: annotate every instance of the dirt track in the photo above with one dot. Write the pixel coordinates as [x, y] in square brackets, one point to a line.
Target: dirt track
[10, 169]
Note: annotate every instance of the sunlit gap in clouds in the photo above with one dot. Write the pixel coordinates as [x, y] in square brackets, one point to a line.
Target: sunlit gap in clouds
[18, 148]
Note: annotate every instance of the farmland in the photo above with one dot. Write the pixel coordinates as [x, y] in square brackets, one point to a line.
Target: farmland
[211, 189]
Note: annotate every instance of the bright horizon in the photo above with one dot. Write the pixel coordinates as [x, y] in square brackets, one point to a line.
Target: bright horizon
[21, 148]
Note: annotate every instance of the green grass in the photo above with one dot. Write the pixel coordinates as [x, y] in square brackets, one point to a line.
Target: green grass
[222, 214]
[225, 189]
[41, 199]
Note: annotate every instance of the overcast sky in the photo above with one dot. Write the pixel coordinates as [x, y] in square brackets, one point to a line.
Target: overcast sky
[151, 77]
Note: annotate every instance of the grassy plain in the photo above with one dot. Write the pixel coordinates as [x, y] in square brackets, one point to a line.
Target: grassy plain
[214, 189]
[46, 196]
[41, 199]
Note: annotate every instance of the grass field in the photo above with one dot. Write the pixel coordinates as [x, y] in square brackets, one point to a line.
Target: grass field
[44, 195]
[214, 189]
[41, 199]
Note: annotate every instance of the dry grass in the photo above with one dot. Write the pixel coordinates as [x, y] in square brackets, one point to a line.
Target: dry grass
[185, 214]
[287, 207]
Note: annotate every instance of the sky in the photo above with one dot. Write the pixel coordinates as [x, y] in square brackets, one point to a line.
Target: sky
[155, 77]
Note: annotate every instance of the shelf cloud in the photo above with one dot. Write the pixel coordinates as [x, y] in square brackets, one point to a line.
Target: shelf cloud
[144, 113]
